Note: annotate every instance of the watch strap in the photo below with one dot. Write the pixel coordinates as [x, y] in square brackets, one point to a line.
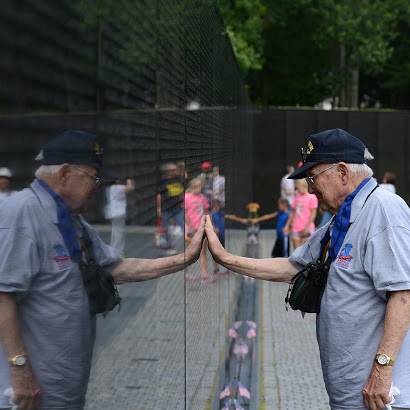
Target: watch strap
[14, 362]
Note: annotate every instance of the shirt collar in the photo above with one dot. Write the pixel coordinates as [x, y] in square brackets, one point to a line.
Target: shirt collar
[46, 200]
[360, 199]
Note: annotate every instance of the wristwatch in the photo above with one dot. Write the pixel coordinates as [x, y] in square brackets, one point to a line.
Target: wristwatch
[18, 361]
[384, 360]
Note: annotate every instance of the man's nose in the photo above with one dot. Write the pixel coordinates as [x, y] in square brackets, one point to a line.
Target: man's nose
[311, 190]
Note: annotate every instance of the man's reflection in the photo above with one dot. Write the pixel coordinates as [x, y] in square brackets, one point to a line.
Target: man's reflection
[46, 327]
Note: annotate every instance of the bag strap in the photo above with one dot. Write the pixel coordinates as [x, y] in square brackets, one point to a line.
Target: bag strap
[86, 242]
[325, 252]
[85, 250]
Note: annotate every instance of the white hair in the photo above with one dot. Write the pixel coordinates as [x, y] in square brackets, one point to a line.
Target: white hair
[47, 170]
[361, 170]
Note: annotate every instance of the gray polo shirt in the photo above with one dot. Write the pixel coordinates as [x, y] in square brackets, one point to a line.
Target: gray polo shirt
[373, 261]
[54, 317]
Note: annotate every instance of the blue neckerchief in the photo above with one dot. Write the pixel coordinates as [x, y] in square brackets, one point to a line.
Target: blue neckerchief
[65, 224]
[341, 225]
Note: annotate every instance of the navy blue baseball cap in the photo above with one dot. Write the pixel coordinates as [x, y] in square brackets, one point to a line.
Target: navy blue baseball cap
[330, 146]
[77, 148]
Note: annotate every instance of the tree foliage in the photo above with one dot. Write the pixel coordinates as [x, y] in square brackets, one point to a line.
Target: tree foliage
[244, 25]
[347, 51]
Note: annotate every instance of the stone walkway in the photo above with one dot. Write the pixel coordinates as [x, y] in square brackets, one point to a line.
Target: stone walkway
[290, 371]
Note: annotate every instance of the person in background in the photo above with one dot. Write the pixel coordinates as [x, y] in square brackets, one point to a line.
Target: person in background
[252, 228]
[170, 200]
[116, 212]
[196, 206]
[47, 331]
[389, 182]
[182, 170]
[236, 218]
[303, 214]
[281, 246]
[287, 186]
[207, 182]
[5, 182]
[218, 187]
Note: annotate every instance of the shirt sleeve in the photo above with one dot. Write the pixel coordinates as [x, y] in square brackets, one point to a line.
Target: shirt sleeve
[309, 251]
[387, 261]
[20, 260]
[104, 254]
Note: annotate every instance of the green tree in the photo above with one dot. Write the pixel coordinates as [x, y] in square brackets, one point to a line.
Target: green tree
[391, 87]
[321, 49]
[358, 35]
[296, 69]
[244, 25]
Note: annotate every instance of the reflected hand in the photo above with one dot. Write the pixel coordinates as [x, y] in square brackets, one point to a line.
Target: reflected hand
[376, 391]
[194, 247]
[214, 244]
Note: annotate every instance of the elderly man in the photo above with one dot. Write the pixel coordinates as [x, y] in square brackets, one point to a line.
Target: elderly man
[46, 328]
[362, 327]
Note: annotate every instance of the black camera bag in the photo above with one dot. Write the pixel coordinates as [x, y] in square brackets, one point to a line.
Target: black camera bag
[101, 288]
[99, 283]
[307, 286]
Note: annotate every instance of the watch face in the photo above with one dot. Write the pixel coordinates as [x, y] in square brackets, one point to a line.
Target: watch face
[382, 359]
[20, 360]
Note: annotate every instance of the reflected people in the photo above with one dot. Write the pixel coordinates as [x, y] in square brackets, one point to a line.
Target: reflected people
[170, 202]
[49, 284]
[362, 326]
[5, 183]
[116, 212]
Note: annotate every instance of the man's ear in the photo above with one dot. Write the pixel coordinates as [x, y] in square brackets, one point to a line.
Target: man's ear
[63, 173]
[344, 172]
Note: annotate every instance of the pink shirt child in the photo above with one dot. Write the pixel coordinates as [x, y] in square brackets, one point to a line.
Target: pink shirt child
[303, 205]
[195, 207]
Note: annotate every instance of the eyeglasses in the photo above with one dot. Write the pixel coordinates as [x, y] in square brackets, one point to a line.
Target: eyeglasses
[96, 179]
[311, 180]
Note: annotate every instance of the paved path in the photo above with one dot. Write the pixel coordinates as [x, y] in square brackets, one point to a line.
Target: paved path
[164, 349]
[290, 371]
